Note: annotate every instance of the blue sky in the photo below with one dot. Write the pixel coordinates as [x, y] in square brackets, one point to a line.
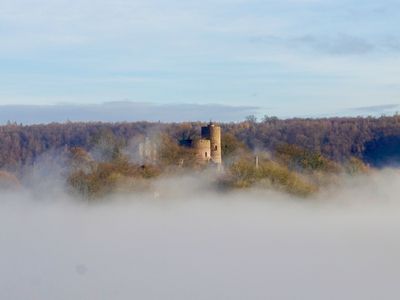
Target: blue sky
[287, 57]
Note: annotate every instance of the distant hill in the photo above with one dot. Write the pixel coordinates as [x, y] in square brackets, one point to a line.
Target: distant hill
[374, 140]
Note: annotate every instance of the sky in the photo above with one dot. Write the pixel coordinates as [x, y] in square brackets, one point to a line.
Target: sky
[285, 58]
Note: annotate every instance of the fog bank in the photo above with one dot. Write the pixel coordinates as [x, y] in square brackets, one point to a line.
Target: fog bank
[188, 242]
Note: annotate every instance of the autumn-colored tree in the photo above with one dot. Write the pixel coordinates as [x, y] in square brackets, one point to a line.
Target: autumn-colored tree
[231, 146]
[245, 174]
[172, 154]
[297, 158]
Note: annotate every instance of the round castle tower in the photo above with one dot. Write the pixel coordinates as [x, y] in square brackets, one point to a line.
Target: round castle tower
[203, 149]
[212, 132]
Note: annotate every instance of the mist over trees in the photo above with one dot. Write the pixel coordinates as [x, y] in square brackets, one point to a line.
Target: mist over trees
[376, 141]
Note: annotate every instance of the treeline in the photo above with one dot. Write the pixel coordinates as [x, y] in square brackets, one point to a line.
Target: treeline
[376, 141]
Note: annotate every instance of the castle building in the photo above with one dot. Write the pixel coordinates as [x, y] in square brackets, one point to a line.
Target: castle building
[208, 147]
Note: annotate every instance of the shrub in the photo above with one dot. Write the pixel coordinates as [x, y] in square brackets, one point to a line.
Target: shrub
[105, 178]
[300, 159]
[244, 174]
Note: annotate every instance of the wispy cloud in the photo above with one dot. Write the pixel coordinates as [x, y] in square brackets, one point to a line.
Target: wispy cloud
[375, 109]
[338, 45]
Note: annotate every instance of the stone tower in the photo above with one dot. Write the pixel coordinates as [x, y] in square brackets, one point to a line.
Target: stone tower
[203, 149]
[212, 132]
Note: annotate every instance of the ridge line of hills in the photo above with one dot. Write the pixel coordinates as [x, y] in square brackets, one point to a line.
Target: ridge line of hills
[376, 141]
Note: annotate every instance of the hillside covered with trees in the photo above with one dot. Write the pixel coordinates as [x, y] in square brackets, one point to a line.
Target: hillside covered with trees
[298, 156]
[375, 141]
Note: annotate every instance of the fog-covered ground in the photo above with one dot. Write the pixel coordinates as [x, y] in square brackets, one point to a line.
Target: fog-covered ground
[188, 242]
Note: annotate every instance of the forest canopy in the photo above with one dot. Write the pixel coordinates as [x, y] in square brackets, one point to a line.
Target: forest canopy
[375, 141]
[297, 156]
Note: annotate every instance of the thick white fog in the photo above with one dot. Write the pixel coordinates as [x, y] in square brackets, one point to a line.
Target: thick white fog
[188, 242]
